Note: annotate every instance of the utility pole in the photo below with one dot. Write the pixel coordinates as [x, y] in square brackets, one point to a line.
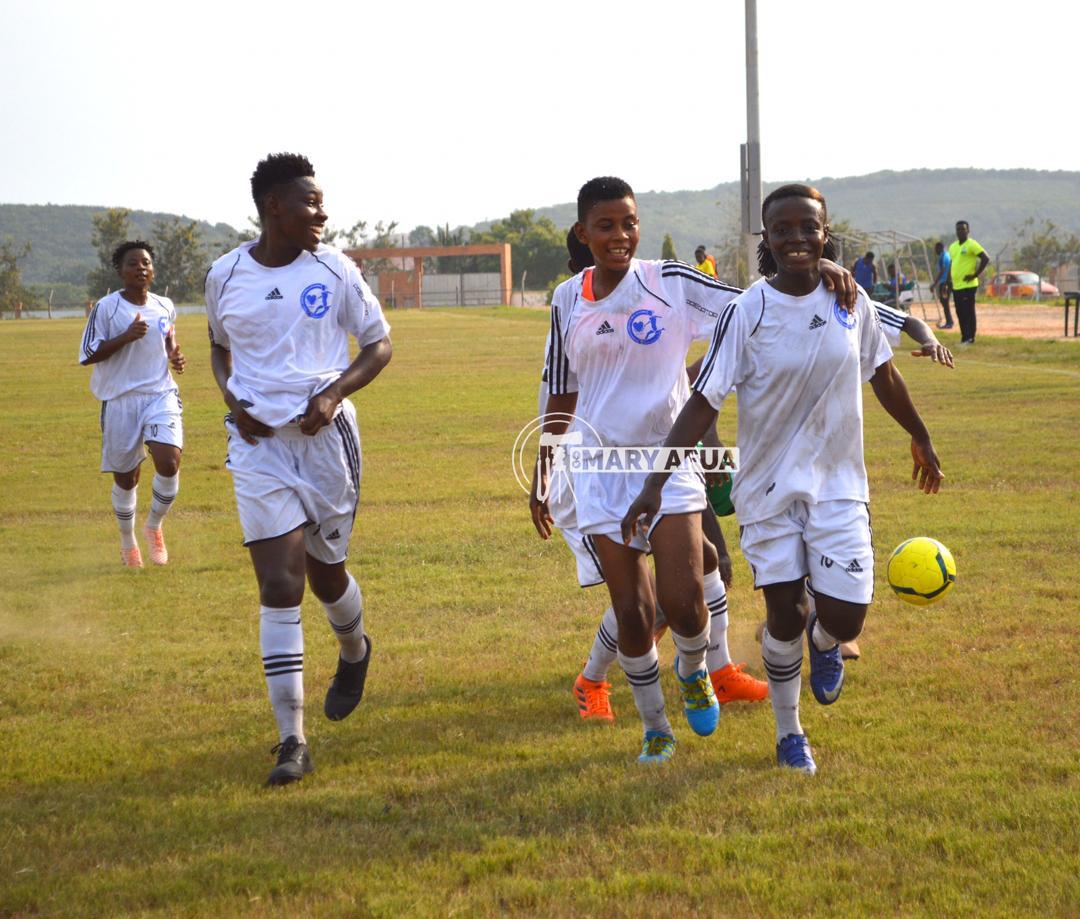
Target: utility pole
[750, 152]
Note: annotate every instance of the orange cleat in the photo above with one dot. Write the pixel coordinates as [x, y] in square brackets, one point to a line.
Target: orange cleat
[155, 544]
[132, 558]
[593, 701]
[732, 685]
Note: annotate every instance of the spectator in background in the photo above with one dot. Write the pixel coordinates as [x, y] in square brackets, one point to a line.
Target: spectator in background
[705, 263]
[968, 260]
[865, 272]
[940, 284]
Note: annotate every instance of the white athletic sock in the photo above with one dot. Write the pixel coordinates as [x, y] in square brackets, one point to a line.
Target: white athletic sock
[123, 503]
[281, 638]
[783, 667]
[164, 489]
[346, 615]
[604, 650]
[718, 655]
[643, 675]
[692, 650]
[823, 641]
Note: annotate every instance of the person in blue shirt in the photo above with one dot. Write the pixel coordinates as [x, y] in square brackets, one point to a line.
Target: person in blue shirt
[941, 282]
[865, 272]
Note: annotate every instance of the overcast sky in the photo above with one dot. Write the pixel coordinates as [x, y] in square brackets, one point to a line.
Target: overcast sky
[460, 112]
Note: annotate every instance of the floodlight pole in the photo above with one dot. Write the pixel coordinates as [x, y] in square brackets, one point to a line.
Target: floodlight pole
[750, 152]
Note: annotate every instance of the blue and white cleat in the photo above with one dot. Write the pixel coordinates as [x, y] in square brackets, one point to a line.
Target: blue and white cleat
[793, 752]
[657, 747]
[699, 701]
[826, 668]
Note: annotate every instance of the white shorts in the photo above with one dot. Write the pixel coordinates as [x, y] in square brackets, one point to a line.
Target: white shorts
[293, 479]
[130, 421]
[831, 542]
[564, 515]
[603, 499]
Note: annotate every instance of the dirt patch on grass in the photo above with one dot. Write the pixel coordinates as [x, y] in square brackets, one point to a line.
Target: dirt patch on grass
[1023, 321]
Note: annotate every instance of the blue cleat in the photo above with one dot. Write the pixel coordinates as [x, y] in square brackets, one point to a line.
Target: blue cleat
[657, 747]
[826, 668]
[793, 752]
[699, 701]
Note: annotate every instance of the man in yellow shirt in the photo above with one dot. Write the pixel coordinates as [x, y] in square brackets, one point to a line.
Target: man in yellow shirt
[968, 259]
[705, 263]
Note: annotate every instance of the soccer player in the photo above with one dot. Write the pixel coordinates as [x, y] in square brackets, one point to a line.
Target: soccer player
[797, 362]
[281, 309]
[130, 339]
[967, 260]
[706, 264]
[616, 356]
[940, 284]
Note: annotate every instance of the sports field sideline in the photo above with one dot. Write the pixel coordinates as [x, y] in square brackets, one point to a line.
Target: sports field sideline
[137, 733]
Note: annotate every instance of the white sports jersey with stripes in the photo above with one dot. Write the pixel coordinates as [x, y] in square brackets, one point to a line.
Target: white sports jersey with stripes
[892, 322]
[141, 366]
[288, 327]
[798, 365]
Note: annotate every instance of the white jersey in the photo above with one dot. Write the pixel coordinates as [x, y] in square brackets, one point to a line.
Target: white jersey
[288, 327]
[798, 365]
[141, 366]
[892, 322]
[626, 354]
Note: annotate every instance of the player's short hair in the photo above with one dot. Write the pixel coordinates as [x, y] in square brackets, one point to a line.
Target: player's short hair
[278, 169]
[580, 256]
[869, 256]
[964, 222]
[602, 188]
[766, 262]
[699, 249]
[125, 247]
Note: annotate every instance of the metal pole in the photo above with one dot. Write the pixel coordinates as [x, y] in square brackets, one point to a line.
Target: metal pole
[752, 174]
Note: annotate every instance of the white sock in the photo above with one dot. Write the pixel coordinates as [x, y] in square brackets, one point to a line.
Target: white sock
[604, 650]
[281, 639]
[346, 615]
[718, 655]
[783, 667]
[643, 675]
[692, 650]
[123, 503]
[164, 489]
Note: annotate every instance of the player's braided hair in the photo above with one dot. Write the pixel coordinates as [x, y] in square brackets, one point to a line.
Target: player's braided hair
[602, 188]
[125, 247]
[278, 169]
[766, 262]
[580, 256]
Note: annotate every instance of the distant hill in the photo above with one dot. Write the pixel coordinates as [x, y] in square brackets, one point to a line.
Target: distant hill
[921, 202]
[60, 235]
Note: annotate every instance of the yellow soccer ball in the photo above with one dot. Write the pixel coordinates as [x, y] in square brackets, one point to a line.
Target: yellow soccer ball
[921, 570]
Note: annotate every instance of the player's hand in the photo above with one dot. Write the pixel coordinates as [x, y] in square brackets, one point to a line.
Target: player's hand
[319, 412]
[641, 513]
[970, 277]
[177, 360]
[138, 328]
[250, 428]
[840, 281]
[727, 573]
[540, 509]
[937, 352]
[927, 474]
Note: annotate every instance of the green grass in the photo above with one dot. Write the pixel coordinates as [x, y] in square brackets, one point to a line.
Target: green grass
[137, 732]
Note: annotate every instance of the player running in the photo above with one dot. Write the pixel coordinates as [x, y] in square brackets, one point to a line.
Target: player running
[798, 361]
[281, 309]
[616, 356]
[130, 339]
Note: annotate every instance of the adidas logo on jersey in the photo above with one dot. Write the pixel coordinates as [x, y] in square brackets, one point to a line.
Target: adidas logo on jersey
[854, 568]
[817, 322]
[605, 328]
[334, 535]
[275, 294]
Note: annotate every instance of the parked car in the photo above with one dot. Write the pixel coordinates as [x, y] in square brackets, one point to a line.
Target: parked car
[1019, 284]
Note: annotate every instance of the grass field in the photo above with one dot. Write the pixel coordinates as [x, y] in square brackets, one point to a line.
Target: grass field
[137, 732]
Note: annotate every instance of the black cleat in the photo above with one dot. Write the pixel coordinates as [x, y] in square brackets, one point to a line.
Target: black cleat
[347, 689]
[293, 762]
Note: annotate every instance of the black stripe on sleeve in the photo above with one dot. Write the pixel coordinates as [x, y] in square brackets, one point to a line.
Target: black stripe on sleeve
[718, 337]
[681, 270]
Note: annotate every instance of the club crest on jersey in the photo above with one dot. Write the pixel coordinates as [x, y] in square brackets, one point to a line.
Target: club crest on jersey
[316, 300]
[643, 327]
[846, 319]
[163, 324]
